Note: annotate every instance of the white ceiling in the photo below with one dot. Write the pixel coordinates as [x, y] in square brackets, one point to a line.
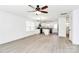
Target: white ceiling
[53, 11]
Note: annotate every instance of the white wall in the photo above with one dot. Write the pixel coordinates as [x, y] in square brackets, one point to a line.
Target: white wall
[62, 26]
[75, 27]
[12, 27]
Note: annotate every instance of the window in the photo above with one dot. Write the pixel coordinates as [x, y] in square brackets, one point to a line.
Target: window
[30, 26]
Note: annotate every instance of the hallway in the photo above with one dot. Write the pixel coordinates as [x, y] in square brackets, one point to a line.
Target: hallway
[39, 44]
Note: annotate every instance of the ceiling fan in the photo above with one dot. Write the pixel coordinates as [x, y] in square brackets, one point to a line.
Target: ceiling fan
[39, 9]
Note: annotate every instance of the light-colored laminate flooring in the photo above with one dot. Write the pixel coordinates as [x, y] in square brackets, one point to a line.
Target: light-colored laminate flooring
[40, 44]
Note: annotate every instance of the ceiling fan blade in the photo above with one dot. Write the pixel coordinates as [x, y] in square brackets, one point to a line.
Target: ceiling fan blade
[44, 11]
[31, 6]
[31, 11]
[44, 7]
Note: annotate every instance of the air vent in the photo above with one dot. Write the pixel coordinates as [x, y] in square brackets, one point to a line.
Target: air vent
[64, 13]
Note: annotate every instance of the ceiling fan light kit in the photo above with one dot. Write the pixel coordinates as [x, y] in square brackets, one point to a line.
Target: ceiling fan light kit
[37, 12]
